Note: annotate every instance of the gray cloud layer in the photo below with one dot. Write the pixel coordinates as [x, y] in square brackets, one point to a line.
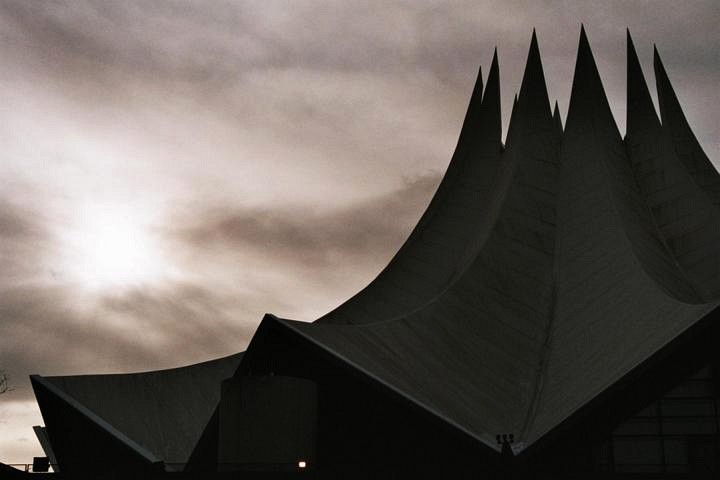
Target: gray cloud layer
[279, 152]
[313, 237]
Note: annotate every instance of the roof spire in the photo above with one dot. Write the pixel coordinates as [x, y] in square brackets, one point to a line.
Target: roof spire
[589, 109]
[491, 101]
[640, 110]
[474, 108]
[670, 109]
[533, 99]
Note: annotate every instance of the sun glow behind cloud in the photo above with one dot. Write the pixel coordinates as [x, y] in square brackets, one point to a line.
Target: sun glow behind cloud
[113, 247]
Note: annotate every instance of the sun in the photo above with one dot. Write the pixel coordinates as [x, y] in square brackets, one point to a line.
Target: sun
[112, 248]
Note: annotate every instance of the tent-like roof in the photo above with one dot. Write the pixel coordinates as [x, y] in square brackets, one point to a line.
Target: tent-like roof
[160, 414]
[591, 254]
[543, 271]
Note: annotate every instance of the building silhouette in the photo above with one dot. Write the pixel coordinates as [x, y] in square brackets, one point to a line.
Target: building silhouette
[553, 314]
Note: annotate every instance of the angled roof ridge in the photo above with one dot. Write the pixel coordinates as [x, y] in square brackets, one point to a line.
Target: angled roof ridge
[686, 143]
[297, 327]
[143, 372]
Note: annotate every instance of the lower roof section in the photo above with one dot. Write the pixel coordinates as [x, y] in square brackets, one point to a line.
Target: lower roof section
[164, 412]
[442, 370]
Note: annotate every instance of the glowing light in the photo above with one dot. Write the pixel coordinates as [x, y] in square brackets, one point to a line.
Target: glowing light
[110, 248]
[302, 464]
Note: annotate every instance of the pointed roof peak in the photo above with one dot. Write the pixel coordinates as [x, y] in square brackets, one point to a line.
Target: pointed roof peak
[533, 99]
[584, 44]
[640, 110]
[589, 105]
[534, 48]
[632, 57]
[474, 110]
[491, 99]
[657, 61]
[583, 35]
[478, 88]
[533, 38]
[670, 109]
[493, 79]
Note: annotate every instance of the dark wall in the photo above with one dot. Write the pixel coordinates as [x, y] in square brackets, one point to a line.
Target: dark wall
[662, 419]
[365, 429]
[268, 422]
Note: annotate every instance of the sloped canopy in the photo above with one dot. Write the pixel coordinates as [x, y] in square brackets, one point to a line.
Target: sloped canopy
[159, 414]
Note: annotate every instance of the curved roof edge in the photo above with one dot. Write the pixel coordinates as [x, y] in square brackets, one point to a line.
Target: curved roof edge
[449, 227]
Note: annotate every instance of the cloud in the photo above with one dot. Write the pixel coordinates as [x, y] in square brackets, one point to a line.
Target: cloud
[54, 333]
[315, 237]
[24, 241]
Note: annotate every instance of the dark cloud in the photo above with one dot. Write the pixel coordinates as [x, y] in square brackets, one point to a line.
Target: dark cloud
[24, 241]
[318, 237]
[140, 329]
[229, 56]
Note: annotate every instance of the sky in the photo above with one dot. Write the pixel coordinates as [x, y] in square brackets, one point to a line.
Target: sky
[172, 170]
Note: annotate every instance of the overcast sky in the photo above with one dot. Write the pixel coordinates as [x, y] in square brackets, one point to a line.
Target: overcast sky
[171, 170]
